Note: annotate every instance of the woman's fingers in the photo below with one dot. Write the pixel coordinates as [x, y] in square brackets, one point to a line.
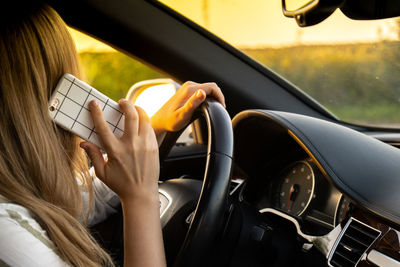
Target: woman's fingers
[212, 89]
[186, 112]
[176, 113]
[194, 102]
[102, 128]
[96, 157]
[131, 117]
[136, 120]
[144, 121]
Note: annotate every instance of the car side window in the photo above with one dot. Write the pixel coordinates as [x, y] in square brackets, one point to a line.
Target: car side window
[112, 72]
[107, 69]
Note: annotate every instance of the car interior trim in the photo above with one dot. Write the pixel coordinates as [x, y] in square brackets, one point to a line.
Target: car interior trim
[238, 183]
[323, 243]
[381, 259]
[337, 210]
[169, 198]
[311, 155]
[339, 238]
[311, 218]
[389, 241]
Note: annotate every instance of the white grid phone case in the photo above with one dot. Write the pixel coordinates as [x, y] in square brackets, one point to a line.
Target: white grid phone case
[68, 107]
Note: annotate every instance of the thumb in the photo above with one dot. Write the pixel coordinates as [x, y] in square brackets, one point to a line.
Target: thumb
[96, 157]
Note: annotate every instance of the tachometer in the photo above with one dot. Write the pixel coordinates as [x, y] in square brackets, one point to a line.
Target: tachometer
[294, 188]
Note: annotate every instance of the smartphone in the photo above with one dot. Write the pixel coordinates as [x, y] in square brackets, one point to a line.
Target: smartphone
[68, 107]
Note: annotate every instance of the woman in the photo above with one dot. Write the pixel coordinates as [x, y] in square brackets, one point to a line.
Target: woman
[42, 169]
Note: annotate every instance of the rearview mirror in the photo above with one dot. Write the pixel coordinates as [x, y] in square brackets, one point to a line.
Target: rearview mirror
[292, 7]
[309, 12]
[371, 9]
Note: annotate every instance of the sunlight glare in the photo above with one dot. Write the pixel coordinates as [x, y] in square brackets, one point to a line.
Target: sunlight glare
[154, 97]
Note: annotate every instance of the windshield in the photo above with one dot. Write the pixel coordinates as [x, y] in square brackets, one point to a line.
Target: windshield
[350, 67]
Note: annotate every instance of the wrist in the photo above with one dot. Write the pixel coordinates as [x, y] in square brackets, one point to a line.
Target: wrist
[142, 198]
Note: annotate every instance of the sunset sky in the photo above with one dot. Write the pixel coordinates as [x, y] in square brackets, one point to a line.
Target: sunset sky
[260, 23]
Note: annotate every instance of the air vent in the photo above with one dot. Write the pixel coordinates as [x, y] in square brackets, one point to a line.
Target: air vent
[355, 239]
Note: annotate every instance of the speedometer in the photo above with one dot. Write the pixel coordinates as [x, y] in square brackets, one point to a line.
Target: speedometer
[294, 188]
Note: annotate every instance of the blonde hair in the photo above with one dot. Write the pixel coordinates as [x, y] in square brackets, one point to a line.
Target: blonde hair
[39, 162]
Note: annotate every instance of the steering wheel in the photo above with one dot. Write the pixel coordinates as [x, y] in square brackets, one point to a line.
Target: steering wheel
[213, 201]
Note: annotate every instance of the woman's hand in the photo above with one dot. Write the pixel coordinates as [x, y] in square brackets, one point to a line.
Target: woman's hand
[131, 171]
[132, 165]
[176, 113]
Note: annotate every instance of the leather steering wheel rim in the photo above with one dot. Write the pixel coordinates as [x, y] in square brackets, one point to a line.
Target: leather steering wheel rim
[213, 201]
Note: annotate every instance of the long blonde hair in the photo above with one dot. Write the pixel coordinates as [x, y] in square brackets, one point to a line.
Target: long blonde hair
[39, 162]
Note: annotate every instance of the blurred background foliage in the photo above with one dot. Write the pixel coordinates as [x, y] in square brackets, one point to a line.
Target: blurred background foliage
[358, 83]
[113, 73]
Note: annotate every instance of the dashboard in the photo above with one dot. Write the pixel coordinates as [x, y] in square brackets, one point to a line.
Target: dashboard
[300, 190]
[337, 186]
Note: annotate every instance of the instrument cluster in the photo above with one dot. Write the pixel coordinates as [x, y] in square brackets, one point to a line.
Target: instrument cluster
[302, 191]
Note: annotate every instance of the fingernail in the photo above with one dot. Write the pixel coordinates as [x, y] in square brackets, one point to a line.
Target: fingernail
[122, 100]
[94, 103]
[200, 93]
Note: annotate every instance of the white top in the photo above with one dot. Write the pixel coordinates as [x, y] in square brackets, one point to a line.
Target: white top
[24, 243]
